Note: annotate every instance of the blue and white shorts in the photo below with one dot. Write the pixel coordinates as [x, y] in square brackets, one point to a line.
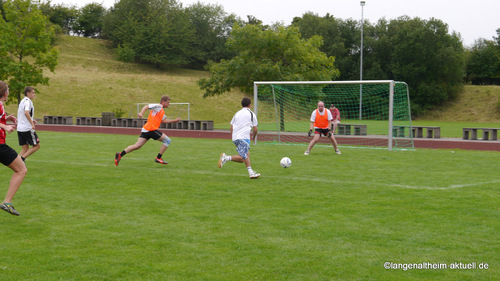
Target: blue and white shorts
[242, 146]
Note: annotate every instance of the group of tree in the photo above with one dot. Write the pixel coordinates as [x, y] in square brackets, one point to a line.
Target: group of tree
[421, 52]
[25, 46]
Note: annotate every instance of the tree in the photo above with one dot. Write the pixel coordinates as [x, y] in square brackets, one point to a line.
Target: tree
[25, 46]
[277, 53]
[61, 15]
[341, 40]
[483, 63]
[212, 28]
[157, 31]
[423, 54]
[89, 20]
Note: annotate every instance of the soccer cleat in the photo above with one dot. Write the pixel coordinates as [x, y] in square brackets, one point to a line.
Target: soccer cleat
[160, 161]
[307, 152]
[9, 209]
[222, 160]
[254, 175]
[118, 157]
[338, 152]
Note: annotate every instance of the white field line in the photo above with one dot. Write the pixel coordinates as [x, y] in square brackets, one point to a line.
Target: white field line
[110, 163]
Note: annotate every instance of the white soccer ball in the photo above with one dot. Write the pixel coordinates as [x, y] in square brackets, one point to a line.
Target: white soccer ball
[286, 162]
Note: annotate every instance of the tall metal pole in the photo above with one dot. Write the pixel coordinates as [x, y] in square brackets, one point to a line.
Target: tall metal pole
[362, 3]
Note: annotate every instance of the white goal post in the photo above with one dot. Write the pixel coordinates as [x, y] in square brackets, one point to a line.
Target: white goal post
[374, 113]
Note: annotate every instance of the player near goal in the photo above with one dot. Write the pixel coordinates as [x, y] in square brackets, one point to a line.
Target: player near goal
[150, 130]
[335, 117]
[243, 122]
[321, 119]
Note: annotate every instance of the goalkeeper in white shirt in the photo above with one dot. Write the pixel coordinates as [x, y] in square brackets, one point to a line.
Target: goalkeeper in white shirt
[28, 139]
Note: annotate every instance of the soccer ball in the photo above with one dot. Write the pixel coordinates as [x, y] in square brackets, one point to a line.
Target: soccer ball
[286, 162]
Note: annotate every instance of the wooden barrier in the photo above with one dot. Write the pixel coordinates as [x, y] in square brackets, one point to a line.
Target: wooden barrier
[358, 130]
[416, 131]
[130, 122]
[488, 133]
[61, 120]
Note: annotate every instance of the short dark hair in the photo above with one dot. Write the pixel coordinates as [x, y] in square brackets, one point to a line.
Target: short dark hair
[245, 102]
[165, 98]
[28, 90]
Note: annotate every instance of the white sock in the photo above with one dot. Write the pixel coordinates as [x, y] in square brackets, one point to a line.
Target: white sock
[228, 158]
[250, 171]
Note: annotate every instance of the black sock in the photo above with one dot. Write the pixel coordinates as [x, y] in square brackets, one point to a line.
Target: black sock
[123, 153]
[159, 156]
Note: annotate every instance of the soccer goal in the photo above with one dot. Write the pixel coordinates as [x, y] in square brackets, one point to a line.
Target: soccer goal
[174, 110]
[373, 114]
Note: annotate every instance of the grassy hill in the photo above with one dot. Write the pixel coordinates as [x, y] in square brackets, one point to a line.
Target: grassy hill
[89, 80]
[476, 104]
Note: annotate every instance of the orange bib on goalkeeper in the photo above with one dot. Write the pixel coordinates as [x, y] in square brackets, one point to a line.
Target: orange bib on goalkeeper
[154, 120]
[321, 121]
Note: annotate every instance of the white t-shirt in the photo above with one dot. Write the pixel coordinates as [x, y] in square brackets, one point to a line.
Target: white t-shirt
[23, 124]
[242, 122]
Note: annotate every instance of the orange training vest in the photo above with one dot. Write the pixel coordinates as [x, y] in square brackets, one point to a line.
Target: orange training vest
[321, 121]
[154, 120]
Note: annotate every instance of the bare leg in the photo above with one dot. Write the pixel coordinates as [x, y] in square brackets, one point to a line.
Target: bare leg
[20, 171]
[334, 142]
[29, 151]
[163, 147]
[140, 142]
[237, 158]
[313, 142]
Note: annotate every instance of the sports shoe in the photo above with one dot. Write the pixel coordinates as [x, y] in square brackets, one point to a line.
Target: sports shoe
[307, 152]
[9, 209]
[222, 160]
[159, 160]
[338, 151]
[118, 157]
[254, 175]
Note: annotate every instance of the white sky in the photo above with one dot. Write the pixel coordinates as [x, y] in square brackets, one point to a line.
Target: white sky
[473, 19]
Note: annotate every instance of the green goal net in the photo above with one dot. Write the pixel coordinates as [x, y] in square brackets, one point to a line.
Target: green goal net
[374, 114]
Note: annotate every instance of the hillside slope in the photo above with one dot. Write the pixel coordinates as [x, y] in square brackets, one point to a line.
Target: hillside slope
[475, 104]
[88, 81]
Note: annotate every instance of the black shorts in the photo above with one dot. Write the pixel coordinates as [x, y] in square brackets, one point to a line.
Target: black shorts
[7, 154]
[29, 137]
[151, 135]
[321, 131]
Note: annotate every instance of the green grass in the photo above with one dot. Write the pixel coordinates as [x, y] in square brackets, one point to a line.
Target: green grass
[328, 217]
[89, 80]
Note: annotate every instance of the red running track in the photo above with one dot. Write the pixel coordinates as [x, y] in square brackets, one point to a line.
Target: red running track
[443, 143]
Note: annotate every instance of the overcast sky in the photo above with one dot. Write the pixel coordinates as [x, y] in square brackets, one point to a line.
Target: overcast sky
[473, 19]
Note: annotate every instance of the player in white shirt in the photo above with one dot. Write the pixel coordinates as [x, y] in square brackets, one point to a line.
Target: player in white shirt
[243, 123]
[28, 139]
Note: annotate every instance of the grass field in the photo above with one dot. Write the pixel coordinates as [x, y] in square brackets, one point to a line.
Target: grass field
[328, 217]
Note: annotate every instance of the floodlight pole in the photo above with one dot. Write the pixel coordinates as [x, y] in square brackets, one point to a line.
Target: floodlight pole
[362, 3]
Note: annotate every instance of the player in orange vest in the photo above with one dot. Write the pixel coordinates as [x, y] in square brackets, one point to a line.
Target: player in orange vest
[150, 130]
[321, 121]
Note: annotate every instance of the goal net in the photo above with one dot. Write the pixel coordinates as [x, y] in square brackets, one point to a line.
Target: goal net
[373, 114]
